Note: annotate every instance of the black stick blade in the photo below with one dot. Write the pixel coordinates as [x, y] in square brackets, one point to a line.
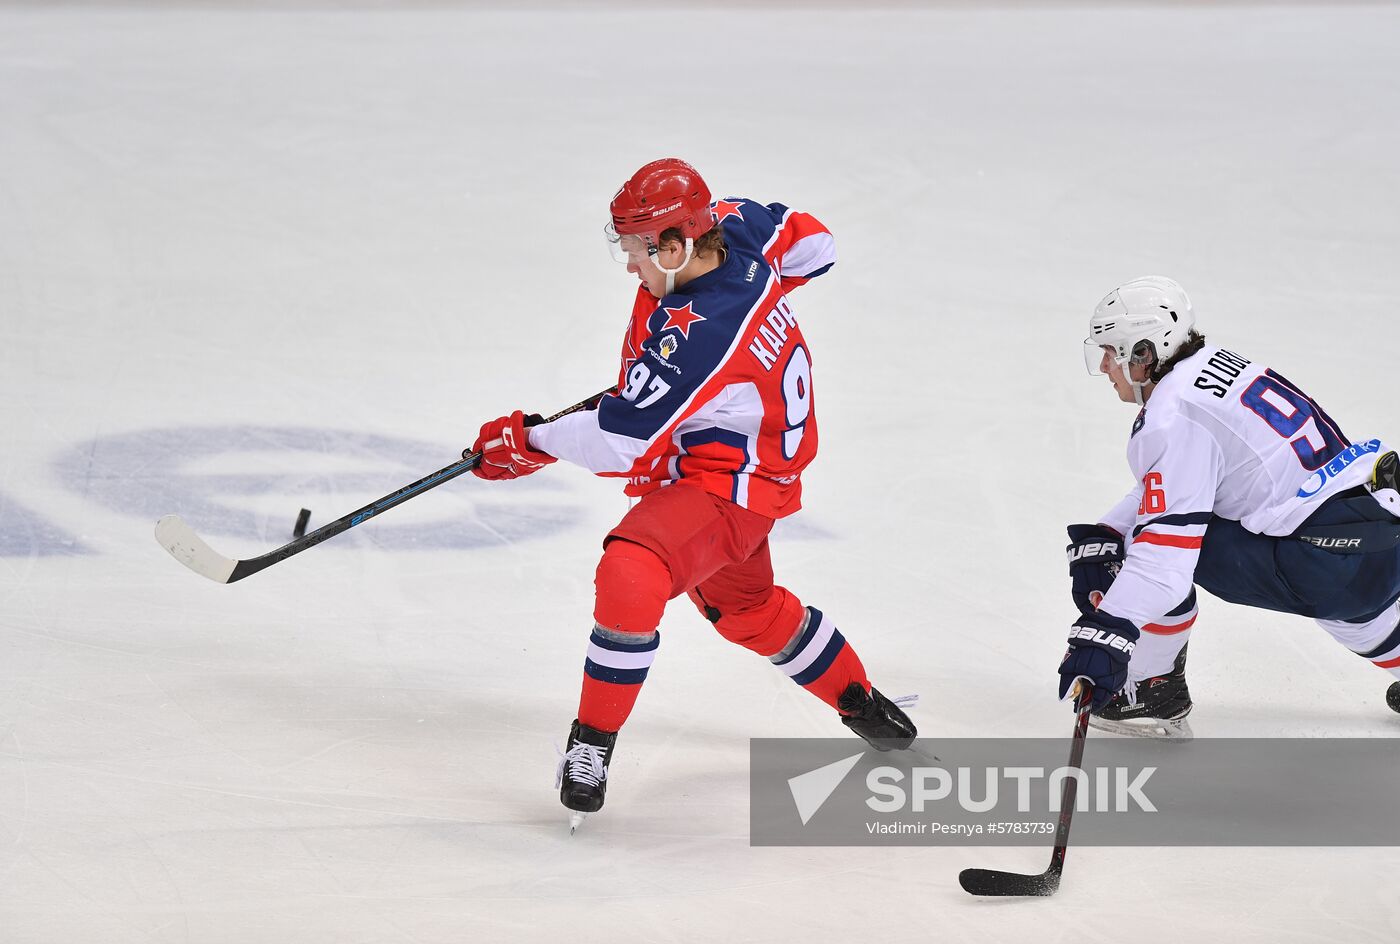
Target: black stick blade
[991, 883]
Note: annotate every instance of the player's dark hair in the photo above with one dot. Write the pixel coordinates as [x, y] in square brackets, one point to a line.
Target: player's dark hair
[1193, 343]
[709, 243]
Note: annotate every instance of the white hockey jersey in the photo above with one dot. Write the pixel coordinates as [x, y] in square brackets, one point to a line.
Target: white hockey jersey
[1221, 435]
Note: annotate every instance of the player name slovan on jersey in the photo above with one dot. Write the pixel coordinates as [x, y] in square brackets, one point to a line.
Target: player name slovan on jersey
[1221, 435]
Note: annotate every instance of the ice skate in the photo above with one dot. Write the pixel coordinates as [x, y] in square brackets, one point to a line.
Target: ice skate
[1159, 709]
[582, 775]
[1385, 482]
[875, 718]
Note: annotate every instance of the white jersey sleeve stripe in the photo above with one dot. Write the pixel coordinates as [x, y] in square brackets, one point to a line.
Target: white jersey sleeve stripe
[578, 438]
[808, 254]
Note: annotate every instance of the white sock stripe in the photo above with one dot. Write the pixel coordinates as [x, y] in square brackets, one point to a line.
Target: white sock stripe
[1363, 637]
[614, 659]
[812, 650]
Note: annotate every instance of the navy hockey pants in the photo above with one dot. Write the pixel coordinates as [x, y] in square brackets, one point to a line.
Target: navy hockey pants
[1293, 576]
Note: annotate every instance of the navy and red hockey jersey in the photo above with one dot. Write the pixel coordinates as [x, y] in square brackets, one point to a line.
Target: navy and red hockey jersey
[715, 388]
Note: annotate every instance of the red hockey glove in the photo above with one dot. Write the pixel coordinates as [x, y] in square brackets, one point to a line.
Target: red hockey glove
[505, 450]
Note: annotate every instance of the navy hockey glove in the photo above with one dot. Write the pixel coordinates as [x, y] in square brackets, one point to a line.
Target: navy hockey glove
[1095, 556]
[1100, 646]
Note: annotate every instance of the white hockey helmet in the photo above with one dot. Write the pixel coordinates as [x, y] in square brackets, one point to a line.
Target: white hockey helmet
[1143, 321]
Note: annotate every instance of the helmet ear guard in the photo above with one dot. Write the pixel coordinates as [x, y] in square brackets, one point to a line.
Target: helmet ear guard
[1144, 353]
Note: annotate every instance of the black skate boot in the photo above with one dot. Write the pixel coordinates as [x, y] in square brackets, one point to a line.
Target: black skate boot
[875, 718]
[582, 776]
[1162, 704]
[1385, 483]
[1387, 472]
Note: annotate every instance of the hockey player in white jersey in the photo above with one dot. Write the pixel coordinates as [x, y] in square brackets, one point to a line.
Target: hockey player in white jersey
[1246, 488]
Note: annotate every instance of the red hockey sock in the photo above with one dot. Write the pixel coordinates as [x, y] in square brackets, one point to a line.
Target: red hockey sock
[632, 585]
[845, 669]
[821, 660]
[613, 675]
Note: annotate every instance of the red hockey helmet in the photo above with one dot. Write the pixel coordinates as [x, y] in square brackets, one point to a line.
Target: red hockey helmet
[663, 194]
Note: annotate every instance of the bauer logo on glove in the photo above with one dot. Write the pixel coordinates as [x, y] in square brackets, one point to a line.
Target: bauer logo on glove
[1100, 647]
[1096, 550]
[1095, 555]
[1100, 637]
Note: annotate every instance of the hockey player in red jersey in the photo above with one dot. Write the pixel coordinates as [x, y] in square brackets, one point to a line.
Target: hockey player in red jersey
[1246, 488]
[712, 425]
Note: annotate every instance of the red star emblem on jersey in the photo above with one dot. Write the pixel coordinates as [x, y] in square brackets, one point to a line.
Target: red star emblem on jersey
[681, 318]
[723, 209]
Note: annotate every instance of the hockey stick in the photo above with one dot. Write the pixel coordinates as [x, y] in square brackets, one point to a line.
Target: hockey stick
[993, 882]
[177, 537]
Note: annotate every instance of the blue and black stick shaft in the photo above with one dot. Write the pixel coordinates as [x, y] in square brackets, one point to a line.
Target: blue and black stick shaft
[190, 549]
[991, 882]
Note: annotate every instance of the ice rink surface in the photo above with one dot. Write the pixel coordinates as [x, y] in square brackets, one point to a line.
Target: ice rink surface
[252, 261]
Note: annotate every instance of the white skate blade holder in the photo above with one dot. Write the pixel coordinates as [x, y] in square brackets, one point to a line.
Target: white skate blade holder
[1389, 499]
[1178, 729]
[576, 820]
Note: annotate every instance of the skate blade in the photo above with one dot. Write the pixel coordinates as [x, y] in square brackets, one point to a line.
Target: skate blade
[576, 820]
[1178, 729]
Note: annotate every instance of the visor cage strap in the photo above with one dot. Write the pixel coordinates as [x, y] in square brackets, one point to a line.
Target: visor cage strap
[1125, 364]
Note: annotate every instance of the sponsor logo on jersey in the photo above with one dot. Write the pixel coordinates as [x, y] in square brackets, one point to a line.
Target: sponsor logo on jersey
[1137, 423]
[660, 358]
[1318, 480]
[668, 346]
[753, 271]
